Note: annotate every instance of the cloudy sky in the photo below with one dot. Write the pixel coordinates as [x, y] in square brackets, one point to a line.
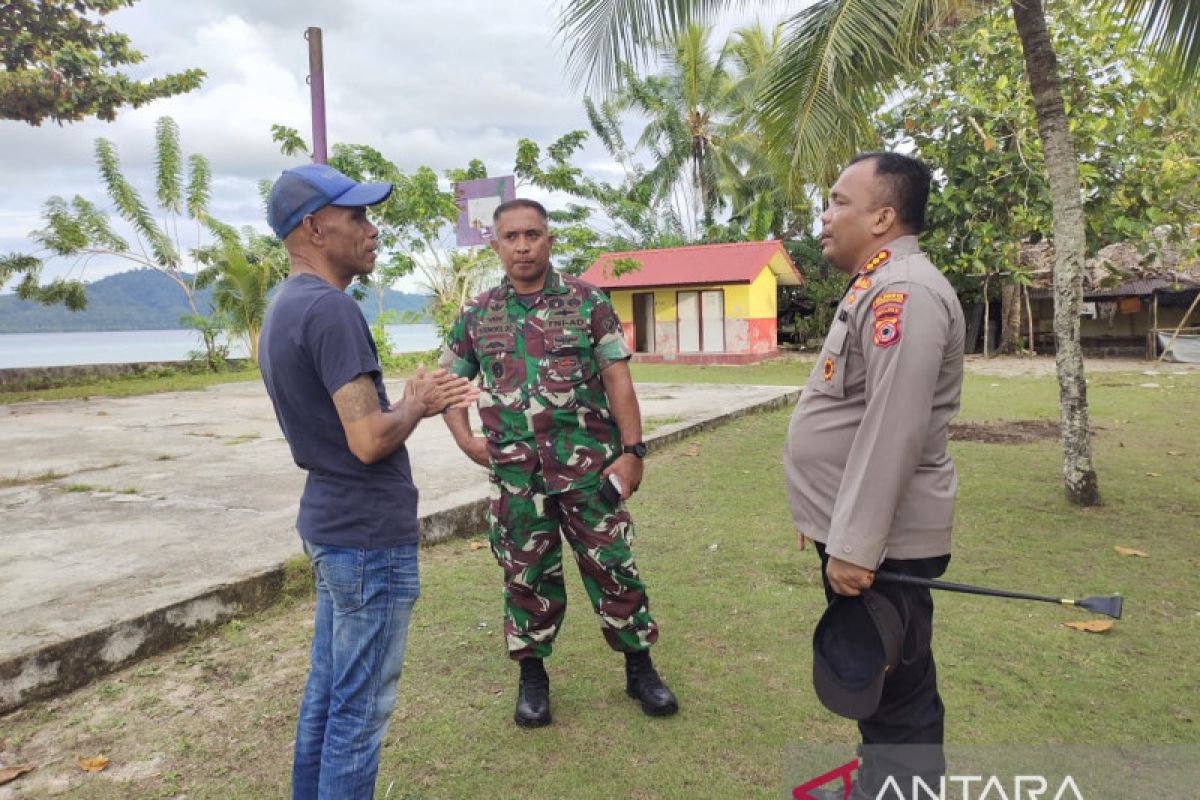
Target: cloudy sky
[426, 82]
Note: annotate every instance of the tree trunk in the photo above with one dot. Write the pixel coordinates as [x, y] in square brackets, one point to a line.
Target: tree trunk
[1010, 319]
[1029, 314]
[1062, 170]
[987, 321]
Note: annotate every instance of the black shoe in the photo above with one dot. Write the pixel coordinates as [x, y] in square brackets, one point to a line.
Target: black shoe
[643, 684]
[533, 696]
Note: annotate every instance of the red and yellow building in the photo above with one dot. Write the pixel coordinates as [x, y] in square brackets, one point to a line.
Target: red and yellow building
[704, 304]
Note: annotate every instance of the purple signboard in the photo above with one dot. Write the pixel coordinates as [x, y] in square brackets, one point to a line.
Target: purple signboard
[476, 201]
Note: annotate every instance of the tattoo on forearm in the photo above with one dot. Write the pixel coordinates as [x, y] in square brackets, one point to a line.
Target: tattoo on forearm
[357, 399]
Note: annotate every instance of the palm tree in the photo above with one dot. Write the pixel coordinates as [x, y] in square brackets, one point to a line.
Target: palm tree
[686, 106]
[761, 204]
[837, 62]
[242, 275]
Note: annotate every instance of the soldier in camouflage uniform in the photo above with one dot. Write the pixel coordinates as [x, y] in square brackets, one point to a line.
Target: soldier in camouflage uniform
[560, 417]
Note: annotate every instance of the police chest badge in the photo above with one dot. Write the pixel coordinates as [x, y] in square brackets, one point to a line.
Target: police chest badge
[886, 309]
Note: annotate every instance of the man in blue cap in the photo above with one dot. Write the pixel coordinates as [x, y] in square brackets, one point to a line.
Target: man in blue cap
[358, 512]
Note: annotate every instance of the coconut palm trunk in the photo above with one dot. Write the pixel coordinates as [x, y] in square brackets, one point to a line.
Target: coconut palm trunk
[1069, 239]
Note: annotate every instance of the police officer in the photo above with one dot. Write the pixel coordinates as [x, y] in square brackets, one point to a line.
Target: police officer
[560, 417]
[869, 480]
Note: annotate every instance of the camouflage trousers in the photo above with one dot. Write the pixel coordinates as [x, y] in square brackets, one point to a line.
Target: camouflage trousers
[526, 531]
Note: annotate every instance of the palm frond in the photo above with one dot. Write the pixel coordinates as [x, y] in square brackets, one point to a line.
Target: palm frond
[602, 34]
[838, 60]
[1171, 28]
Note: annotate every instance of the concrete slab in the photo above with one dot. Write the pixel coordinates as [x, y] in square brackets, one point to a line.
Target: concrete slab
[126, 522]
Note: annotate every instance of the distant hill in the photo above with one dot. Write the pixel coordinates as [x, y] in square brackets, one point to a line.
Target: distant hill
[141, 300]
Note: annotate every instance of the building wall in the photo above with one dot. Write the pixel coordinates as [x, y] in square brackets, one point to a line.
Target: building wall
[1111, 334]
[1136, 324]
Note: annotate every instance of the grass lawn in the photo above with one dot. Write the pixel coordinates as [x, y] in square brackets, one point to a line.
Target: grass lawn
[737, 603]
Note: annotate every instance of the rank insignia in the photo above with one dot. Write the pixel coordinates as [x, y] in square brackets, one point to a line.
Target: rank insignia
[851, 299]
[863, 283]
[828, 369]
[876, 261]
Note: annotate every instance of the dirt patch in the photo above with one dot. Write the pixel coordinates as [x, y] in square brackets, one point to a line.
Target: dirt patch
[1023, 431]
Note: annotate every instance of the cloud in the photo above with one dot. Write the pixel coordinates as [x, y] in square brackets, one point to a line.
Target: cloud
[426, 83]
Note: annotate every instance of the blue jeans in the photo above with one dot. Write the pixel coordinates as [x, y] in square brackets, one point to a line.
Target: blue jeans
[364, 602]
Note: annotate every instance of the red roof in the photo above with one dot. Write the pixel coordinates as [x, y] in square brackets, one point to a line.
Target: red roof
[739, 262]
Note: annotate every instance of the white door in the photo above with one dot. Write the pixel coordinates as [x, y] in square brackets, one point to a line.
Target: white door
[689, 321]
[712, 321]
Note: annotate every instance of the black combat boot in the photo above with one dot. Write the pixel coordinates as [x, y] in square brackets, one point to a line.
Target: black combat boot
[643, 684]
[533, 695]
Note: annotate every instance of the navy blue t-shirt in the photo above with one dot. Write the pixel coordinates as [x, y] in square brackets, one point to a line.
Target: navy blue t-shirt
[314, 341]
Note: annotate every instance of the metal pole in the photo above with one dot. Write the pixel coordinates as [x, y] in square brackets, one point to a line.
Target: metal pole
[316, 85]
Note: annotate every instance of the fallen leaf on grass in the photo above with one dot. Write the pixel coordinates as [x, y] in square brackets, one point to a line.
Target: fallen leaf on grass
[9, 774]
[1092, 625]
[1154, 474]
[476, 545]
[93, 764]
[1129, 551]
[694, 450]
[1176, 453]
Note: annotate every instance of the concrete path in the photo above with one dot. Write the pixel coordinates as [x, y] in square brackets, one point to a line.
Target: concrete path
[125, 522]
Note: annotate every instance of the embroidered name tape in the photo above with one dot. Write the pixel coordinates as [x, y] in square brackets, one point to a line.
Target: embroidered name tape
[889, 298]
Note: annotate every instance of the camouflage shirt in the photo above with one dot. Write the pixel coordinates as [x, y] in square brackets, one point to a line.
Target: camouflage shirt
[543, 405]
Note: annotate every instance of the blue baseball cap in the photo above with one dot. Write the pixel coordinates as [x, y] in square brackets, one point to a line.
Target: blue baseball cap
[300, 191]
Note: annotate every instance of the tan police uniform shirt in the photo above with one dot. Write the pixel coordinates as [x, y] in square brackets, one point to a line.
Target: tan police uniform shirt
[865, 461]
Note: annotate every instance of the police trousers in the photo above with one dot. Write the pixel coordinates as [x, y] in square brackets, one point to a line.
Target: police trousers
[903, 738]
[526, 528]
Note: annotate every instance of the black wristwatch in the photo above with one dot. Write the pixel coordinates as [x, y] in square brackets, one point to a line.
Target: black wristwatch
[638, 449]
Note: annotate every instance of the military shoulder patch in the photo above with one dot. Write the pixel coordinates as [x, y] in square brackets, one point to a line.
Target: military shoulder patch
[828, 369]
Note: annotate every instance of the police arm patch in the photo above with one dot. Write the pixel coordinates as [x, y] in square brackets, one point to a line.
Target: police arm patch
[887, 309]
[886, 333]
